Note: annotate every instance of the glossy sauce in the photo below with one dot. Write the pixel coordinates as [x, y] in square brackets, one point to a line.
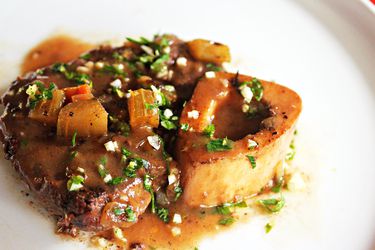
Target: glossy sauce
[149, 230]
[59, 48]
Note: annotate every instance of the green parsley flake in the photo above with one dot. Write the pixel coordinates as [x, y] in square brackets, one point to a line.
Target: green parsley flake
[128, 212]
[114, 70]
[75, 183]
[221, 144]
[38, 92]
[178, 192]
[116, 181]
[73, 155]
[213, 67]
[163, 214]
[252, 161]
[78, 78]
[273, 205]
[268, 227]
[292, 152]
[184, 127]
[141, 41]
[74, 139]
[147, 183]
[209, 131]
[256, 88]
[160, 64]
[225, 209]
[226, 221]
[86, 56]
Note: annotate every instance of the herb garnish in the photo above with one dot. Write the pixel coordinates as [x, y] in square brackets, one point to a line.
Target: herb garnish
[252, 161]
[273, 205]
[163, 214]
[226, 221]
[178, 192]
[38, 92]
[220, 144]
[256, 88]
[225, 208]
[268, 227]
[209, 131]
[75, 182]
[213, 67]
[147, 183]
[184, 127]
[74, 139]
[113, 69]
[73, 155]
[133, 165]
[128, 212]
[117, 180]
[292, 152]
[86, 56]
[78, 78]
[141, 41]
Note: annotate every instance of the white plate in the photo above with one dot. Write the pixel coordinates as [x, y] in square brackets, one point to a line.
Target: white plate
[322, 49]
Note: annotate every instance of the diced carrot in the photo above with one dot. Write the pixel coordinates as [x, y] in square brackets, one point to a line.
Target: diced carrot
[81, 97]
[72, 91]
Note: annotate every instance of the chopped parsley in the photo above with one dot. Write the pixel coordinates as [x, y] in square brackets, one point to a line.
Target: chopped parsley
[225, 209]
[75, 182]
[74, 139]
[256, 88]
[133, 165]
[117, 180]
[226, 221]
[252, 161]
[78, 78]
[292, 152]
[113, 69]
[125, 153]
[128, 212]
[39, 71]
[147, 183]
[268, 227]
[86, 56]
[184, 127]
[209, 131]
[178, 192]
[73, 155]
[221, 144]
[160, 64]
[168, 123]
[141, 41]
[38, 92]
[163, 214]
[103, 172]
[273, 205]
[213, 67]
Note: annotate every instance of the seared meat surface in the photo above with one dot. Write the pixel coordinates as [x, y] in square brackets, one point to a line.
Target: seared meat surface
[46, 161]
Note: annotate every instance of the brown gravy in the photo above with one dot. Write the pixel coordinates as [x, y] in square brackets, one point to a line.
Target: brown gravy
[150, 230]
[58, 48]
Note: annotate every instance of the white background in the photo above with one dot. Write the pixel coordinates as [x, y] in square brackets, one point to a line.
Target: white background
[325, 50]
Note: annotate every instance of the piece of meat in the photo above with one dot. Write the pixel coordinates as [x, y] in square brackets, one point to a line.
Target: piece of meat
[46, 161]
[213, 178]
